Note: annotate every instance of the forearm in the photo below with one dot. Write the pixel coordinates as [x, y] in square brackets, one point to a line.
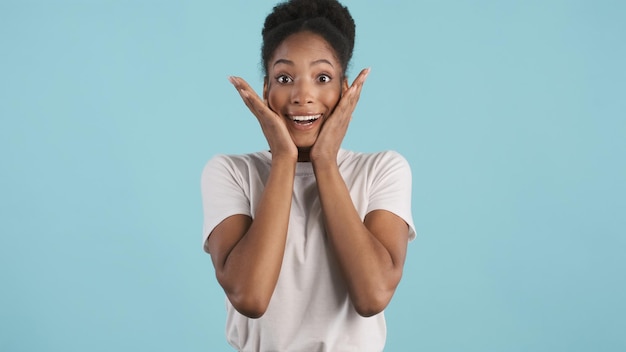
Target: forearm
[250, 270]
[366, 264]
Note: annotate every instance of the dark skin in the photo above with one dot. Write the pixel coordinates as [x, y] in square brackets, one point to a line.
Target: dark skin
[305, 82]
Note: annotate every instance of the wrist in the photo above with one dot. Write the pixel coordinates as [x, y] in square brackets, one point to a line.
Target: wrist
[284, 159]
[324, 162]
[324, 157]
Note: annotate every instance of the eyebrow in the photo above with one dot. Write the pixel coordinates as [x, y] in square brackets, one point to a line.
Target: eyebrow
[290, 63]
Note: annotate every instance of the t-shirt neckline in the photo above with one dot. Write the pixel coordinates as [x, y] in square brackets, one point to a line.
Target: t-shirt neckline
[305, 168]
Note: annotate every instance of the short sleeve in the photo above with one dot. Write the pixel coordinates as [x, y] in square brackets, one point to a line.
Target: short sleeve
[391, 187]
[224, 193]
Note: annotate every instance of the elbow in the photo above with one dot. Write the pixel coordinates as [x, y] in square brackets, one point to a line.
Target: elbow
[374, 298]
[248, 299]
[370, 309]
[250, 305]
[372, 304]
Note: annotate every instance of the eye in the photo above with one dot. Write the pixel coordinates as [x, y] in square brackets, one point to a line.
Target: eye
[284, 79]
[323, 78]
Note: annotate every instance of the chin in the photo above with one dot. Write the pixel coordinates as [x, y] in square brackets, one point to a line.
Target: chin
[305, 143]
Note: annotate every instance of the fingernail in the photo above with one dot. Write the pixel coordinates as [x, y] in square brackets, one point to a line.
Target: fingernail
[231, 79]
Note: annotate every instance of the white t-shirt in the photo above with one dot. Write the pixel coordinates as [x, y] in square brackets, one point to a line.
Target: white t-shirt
[310, 309]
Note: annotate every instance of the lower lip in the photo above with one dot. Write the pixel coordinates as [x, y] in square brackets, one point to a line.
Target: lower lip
[305, 126]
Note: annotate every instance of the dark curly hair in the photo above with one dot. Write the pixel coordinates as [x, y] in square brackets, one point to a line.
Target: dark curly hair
[327, 18]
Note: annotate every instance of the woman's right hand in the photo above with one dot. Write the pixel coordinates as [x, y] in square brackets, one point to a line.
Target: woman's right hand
[273, 126]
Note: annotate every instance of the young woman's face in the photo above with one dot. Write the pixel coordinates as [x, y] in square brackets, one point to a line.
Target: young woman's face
[303, 85]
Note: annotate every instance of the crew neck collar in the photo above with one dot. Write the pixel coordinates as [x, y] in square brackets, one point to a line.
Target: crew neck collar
[304, 168]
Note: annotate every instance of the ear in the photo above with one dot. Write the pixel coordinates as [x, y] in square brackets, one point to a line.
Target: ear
[265, 87]
[344, 85]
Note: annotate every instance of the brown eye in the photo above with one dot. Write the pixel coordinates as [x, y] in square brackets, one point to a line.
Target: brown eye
[284, 79]
[323, 78]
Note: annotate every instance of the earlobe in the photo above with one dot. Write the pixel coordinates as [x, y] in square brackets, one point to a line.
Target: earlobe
[344, 85]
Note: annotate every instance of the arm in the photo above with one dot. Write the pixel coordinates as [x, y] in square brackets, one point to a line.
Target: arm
[247, 254]
[370, 253]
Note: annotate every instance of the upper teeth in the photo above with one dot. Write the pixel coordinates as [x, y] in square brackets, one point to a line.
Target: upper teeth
[306, 118]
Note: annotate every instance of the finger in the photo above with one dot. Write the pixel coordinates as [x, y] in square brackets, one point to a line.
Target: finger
[360, 79]
[252, 100]
[243, 88]
[357, 84]
[348, 101]
[239, 83]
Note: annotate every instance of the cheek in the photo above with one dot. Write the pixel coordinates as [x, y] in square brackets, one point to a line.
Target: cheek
[275, 99]
[331, 97]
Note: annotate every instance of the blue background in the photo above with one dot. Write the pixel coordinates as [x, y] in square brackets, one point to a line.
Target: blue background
[511, 113]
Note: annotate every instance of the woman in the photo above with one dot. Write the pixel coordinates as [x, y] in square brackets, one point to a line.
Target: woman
[308, 240]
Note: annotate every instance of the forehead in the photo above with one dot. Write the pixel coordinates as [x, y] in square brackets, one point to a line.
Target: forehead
[304, 48]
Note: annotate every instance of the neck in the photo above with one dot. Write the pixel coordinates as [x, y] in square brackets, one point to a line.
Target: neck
[304, 154]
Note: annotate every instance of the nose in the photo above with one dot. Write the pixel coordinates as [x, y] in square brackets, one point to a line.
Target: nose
[303, 92]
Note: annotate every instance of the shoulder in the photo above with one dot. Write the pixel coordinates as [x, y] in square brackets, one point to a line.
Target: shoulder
[377, 161]
[240, 162]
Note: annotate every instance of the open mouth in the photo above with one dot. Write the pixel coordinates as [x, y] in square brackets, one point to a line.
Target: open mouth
[305, 119]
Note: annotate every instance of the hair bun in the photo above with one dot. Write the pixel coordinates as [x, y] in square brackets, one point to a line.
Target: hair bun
[291, 16]
[337, 14]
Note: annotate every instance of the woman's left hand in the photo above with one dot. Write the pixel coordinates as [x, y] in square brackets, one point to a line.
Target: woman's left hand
[335, 127]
